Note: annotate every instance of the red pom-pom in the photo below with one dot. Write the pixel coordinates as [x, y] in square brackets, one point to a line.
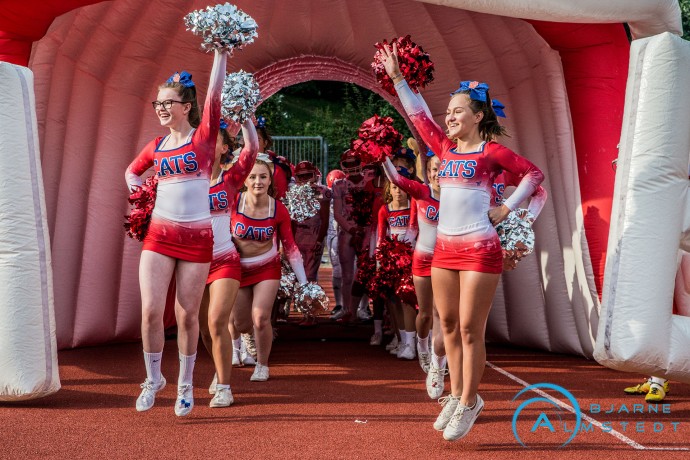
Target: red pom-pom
[394, 275]
[378, 139]
[362, 203]
[143, 199]
[415, 65]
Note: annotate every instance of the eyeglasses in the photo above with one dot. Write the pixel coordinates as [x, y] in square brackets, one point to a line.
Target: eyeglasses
[167, 104]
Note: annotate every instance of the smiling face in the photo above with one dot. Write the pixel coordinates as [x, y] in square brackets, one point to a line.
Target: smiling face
[259, 179]
[460, 119]
[177, 113]
[432, 166]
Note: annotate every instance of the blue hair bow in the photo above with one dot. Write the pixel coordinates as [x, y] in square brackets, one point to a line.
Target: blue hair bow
[429, 153]
[405, 153]
[261, 122]
[476, 90]
[223, 124]
[498, 108]
[184, 78]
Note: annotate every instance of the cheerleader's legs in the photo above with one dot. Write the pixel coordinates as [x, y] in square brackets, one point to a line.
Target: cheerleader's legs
[155, 273]
[347, 257]
[254, 304]
[214, 319]
[425, 300]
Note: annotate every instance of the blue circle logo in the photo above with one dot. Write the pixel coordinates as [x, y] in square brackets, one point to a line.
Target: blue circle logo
[542, 419]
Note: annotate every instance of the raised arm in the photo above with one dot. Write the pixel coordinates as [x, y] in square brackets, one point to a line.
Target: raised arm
[245, 162]
[210, 118]
[411, 187]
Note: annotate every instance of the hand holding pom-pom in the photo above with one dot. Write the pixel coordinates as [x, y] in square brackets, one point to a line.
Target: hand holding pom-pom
[222, 26]
[301, 202]
[414, 63]
[517, 237]
[144, 199]
[240, 97]
[310, 297]
[288, 280]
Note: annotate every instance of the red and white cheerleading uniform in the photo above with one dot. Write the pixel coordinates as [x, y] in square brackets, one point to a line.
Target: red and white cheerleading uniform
[507, 179]
[308, 231]
[266, 266]
[393, 223]
[181, 221]
[423, 216]
[466, 240]
[221, 199]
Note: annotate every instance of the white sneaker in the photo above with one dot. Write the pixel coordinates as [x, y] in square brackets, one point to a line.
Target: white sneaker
[392, 344]
[396, 350]
[424, 361]
[212, 388]
[449, 404]
[223, 398]
[148, 394]
[260, 373]
[185, 400]
[236, 360]
[249, 344]
[406, 351]
[435, 381]
[375, 339]
[246, 359]
[462, 420]
[363, 314]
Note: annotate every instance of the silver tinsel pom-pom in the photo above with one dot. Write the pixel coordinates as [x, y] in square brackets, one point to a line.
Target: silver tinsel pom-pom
[310, 297]
[222, 26]
[517, 237]
[240, 96]
[301, 202]
[288, 280]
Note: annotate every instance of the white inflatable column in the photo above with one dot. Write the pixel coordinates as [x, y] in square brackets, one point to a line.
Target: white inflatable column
[637, 330]
[28, 351]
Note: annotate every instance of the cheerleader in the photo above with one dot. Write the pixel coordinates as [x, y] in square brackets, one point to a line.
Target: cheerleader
[258, 220]
[224, 276]
[180, 238]
[393, 221]
[467, 259]
[425, 218]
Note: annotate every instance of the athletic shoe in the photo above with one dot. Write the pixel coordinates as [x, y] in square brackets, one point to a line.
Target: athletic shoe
[449, 404]
[656, 393]
[336, 315]
[246, 359]
[396, 350]
[212, 388]
[375, 339]
[185, 400]
[260, 373]
[435, 381]
[406, 352]
[424, 360]
[643, 388]
[236, 360]
[335, 310]
[363, 314]
[392, 344]
[148, 394]
[223, 398]
[462, 420]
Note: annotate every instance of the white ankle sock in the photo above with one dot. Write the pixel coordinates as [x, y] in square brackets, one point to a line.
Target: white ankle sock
[423, 344]
[411, 337]
[439, 361]
[186, 369]
[659, 380]
[219, 386]
[378, 326]
[237, 344]
[152, 361]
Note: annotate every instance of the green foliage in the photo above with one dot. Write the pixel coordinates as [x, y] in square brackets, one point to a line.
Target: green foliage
[330, 109]
[685, 14]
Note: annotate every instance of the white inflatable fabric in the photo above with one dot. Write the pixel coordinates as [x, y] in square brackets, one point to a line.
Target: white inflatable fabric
[638, 331]
[28, 350]
[645, 17]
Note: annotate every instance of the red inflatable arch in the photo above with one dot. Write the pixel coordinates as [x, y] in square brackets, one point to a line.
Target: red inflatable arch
[97, 64]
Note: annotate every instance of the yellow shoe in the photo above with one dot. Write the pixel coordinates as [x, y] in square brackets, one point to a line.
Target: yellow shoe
[643, 388]
[656, 393]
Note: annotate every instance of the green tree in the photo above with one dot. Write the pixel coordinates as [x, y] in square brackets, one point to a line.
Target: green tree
[685, 14]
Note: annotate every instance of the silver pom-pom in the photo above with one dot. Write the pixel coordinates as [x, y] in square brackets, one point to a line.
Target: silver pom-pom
[301, 202]
[222, 26]
[517, 237]
[240, 96]
[288, 280]
[309, 298]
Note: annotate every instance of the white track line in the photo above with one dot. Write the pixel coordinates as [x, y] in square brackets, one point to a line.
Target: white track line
[612, 432]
